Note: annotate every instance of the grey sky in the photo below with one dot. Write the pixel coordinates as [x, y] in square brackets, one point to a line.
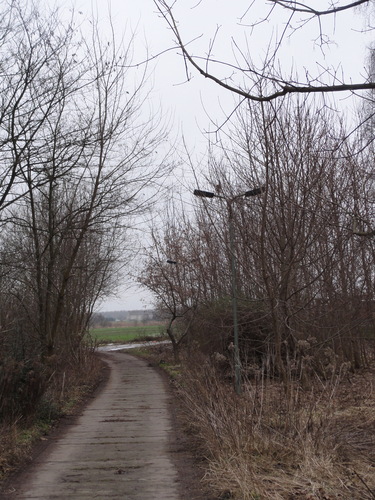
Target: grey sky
[189, 102]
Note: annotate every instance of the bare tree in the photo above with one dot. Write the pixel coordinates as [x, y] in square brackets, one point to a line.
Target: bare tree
[74, 186]
[171, 273]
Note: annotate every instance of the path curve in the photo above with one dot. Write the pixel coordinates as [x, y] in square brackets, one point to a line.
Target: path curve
[117, 449]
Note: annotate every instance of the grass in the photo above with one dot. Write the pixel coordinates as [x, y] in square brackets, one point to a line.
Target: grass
[314, 443]
[16, 443]
[65, 392]
[124, 334]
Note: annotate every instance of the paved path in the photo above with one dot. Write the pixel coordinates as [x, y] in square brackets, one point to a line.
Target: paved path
[118, 448]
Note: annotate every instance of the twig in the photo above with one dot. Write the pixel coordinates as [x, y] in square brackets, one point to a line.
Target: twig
[372, 493]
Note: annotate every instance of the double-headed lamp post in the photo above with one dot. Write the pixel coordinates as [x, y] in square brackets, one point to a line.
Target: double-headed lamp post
[229, 201]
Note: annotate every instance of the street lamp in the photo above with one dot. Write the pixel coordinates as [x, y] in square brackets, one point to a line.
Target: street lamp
[229, 201]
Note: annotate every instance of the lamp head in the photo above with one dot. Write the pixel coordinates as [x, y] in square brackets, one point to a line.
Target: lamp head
[203, 194]
[255, 191]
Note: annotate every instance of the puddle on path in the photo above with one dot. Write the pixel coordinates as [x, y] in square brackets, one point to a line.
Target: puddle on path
[131, 345]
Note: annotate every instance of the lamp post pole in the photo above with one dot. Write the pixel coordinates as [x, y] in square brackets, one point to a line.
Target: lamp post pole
[237, 361]
[229, 202]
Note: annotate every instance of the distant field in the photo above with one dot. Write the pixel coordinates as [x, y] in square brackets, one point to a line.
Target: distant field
[125, 333]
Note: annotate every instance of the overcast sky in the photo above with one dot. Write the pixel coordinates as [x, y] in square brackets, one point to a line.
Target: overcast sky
[190, 102]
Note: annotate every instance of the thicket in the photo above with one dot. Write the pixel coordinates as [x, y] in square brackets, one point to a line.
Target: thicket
[303, 425]
[304, 279]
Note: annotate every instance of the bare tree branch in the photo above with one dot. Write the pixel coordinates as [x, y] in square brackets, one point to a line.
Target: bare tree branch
[301, 7]
[262, 79]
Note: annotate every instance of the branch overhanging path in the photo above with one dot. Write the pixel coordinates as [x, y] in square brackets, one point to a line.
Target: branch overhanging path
[285, 87]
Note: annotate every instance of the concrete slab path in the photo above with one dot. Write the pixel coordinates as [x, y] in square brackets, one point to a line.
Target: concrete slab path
[117, 449]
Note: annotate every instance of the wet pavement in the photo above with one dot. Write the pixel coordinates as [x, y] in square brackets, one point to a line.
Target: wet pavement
[131, 345]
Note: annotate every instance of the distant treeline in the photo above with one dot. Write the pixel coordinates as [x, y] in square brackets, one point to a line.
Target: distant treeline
[105, 318]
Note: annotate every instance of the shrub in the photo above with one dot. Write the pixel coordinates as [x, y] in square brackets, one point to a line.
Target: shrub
[22, 384]
[212, 329]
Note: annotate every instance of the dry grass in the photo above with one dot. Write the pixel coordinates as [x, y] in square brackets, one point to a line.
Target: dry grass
[70, 383]
[272, 443]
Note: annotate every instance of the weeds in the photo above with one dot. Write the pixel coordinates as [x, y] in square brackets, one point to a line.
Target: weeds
[69, 383]
[277, 442]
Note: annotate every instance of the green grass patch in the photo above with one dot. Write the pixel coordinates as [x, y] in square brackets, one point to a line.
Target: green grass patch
[126, 333]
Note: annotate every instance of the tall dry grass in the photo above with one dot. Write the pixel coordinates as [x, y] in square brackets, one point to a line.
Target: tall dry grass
[277, 442]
